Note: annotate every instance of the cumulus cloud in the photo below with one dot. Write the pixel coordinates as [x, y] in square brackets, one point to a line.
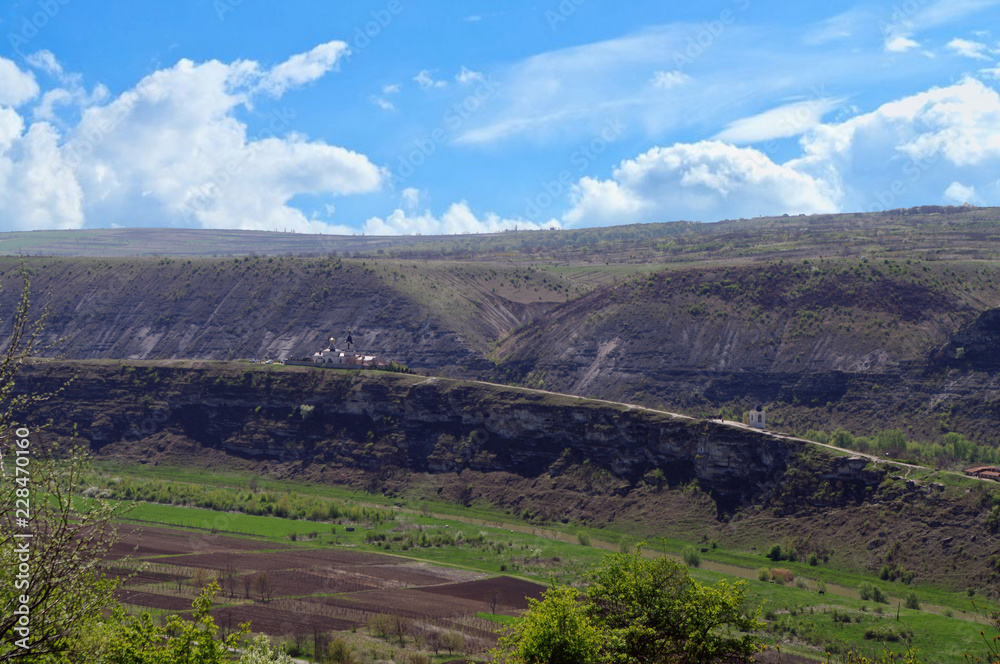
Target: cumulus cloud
[37, 185]
[411, 198]
[459, 218]
[303, 68]
[16, 86]
[706, 180]
[939, 145]
[172, 151]
[71, 93]
[959, 193]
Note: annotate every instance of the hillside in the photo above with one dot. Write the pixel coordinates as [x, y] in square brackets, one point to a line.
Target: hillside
[852, 338]
[860, 321]
[258, 307]
[542, 457]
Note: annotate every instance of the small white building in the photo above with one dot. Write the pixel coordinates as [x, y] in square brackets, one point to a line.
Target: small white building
[330, 357]
[333, 357]
[757, 417]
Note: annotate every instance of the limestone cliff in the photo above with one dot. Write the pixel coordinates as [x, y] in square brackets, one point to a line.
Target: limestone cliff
[374, 421]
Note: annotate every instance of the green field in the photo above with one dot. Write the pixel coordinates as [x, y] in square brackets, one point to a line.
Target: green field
[798, 619]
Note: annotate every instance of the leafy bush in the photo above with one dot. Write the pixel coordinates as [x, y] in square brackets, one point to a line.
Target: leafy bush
[888, 633]
[636, 610]
[870, 592]
[764, 574]
[692, 557]
[260, 651]
[912, 602]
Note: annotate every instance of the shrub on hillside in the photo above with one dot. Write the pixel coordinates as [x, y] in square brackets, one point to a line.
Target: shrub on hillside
[782, 575]
[891, 633]
[870, 592]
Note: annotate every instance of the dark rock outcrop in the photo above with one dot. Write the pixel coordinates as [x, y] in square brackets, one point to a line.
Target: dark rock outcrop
[975, 346]
[378, 421]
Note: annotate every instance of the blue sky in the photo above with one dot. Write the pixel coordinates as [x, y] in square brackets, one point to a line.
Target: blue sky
[402, 117]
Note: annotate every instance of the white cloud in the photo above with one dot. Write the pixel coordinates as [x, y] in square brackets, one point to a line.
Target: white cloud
[427, 82]
[16, 86]
[45, 61]
[991, 72]
[172, 151]
[900, 44]
[411, 198]
[37, 186]
[940, 140]
[782, 122]
[568, 94]
[970, 49]
[467, 76]
[910, 19]
[47, 105]
[459, 218]
[391, 89]
[959, 193]
[303, 68]
[705, 181]
[666, 80]
[384, 104]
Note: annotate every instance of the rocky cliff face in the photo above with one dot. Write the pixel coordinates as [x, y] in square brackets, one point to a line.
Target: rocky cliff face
[371, 422]
[217, 309]
[975, 346]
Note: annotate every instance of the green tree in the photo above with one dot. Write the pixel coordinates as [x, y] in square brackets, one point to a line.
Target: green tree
[260, 651]
[53, 589]
[653, 611]
[637, 611]
[137, 640]
[554, 630]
